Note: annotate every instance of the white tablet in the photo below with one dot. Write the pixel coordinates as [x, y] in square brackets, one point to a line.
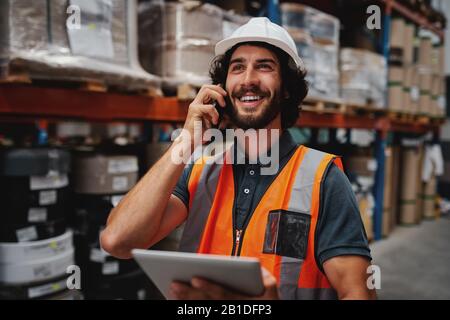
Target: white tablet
[241, 274]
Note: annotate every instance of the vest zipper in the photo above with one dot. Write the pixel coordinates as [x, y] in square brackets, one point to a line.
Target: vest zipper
[237, 242]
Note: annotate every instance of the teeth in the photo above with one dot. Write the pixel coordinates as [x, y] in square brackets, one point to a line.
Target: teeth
[250, 98]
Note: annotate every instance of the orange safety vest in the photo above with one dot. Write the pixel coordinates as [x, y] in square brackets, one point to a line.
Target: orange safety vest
[209, 226]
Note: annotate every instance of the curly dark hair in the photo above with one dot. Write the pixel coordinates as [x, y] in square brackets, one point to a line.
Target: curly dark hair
[293, 80]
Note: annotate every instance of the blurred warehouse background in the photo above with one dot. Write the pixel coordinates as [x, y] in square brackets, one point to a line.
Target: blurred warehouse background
[85, 112]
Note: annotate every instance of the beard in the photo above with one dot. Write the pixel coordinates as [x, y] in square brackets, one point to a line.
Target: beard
[256, 120]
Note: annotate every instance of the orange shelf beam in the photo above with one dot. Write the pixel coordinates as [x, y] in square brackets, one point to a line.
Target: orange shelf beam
[24, 100]
[28, 103]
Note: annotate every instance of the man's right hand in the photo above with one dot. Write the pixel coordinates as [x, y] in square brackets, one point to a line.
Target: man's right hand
[202, 110]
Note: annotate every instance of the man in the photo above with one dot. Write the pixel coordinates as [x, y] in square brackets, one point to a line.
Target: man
[302, 222]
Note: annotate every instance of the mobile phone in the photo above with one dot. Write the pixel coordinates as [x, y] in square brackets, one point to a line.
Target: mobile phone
[221, 111]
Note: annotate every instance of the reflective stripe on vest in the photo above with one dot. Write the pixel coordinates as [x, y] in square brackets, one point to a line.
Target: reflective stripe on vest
[209, 227]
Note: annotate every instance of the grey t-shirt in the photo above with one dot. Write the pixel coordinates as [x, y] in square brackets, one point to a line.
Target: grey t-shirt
[340, 230]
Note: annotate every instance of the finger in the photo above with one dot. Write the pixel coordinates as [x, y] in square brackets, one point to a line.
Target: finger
[178, 290]
[206, 95]
[268, 278]
[270, 283]
[210, 111]
[217, 87]
[214, 290]
[183, 291]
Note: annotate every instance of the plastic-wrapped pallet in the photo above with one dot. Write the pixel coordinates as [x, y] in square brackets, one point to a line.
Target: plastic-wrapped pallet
[323, 85]
[321, 63]
[325, 73]
[316, 35]
[40, 38]
[362, 77]
[177, 40]
[323, 27]
[305, 47]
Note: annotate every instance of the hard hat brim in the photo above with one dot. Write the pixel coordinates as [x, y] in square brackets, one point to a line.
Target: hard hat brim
[226, 44]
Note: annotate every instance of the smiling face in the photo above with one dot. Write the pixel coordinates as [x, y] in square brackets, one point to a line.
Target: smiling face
[254, 85]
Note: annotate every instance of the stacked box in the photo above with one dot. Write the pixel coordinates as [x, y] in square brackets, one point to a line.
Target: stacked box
[397, 42]
[395, 88]
[388, 192]
[425, 82]
[316, 35]
[322, 27]
[414, 91]
[441, 99]
[408, 77]
[396, 171]
[409, 68]
[435, 86]
[362, 77]
[408, 185]
[420, 184]
[39, 37]
[408, 44]
[177, 39]
[361, 173]
[429, 198]
[425, 51]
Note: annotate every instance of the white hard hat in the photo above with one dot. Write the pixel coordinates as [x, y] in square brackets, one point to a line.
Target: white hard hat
[262, 30]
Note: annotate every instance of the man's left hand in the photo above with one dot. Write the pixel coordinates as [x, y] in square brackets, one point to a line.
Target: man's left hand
[201, 289]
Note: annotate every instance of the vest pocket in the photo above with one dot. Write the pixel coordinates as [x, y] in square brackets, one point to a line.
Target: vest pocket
[287, 233]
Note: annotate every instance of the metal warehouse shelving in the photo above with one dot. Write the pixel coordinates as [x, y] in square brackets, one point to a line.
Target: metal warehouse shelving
[22, 103]
[26, 102]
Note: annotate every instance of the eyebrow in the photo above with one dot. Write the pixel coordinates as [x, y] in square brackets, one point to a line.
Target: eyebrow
[264, 60]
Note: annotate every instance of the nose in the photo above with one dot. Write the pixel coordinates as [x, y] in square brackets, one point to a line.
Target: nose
[250, 78]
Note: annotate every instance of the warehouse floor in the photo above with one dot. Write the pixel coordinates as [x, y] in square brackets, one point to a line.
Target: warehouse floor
[415, 261]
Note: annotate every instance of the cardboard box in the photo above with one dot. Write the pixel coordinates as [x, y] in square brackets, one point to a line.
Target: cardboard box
[414, 91]
[396, 171]
[365, 204]
[361, 170]
[425, 77]
[408, 182]
[387, 195]
[408, 77]
[408, 47]
[435, 90]
[425, 51]
[429, 198]
[397, 41]
[363, 77]
[395, 88]
[420, 185]
[361, 165]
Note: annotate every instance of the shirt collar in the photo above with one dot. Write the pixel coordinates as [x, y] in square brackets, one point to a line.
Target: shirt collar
[286, 145]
